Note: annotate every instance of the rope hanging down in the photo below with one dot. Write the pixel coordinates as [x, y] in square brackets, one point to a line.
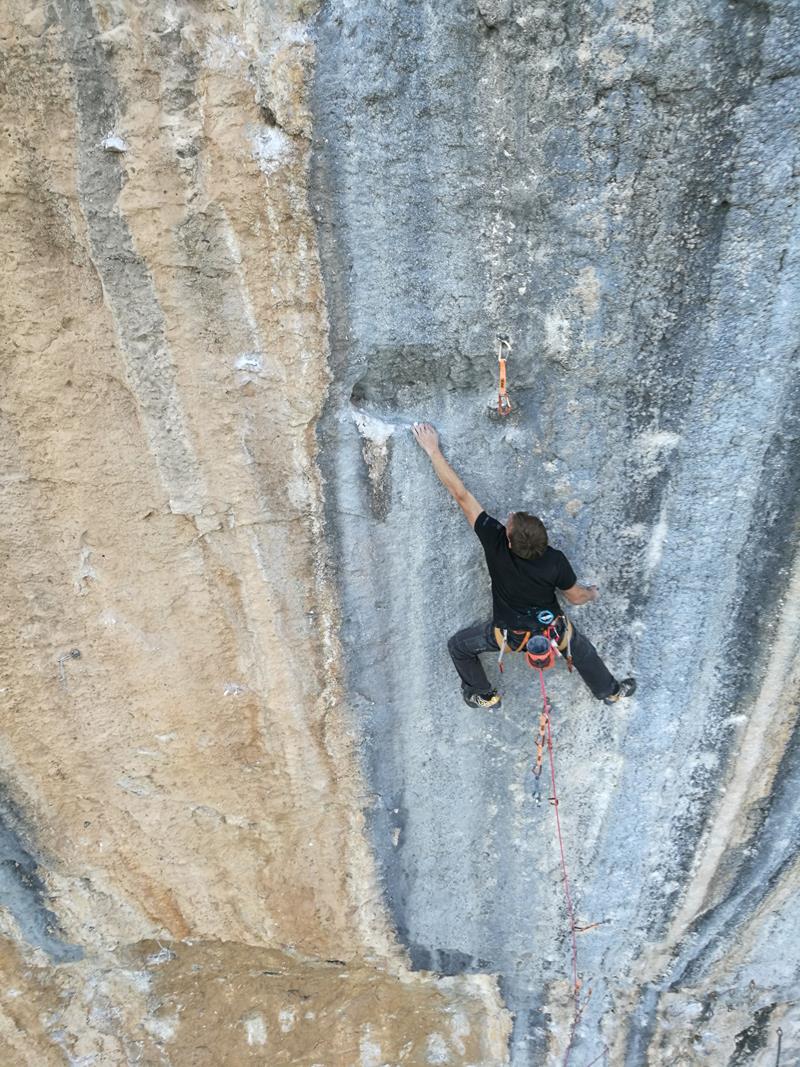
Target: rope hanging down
[546, 735]
[545, 738]
[503, 402]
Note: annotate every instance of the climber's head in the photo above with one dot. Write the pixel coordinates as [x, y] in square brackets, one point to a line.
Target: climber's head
[526, 534]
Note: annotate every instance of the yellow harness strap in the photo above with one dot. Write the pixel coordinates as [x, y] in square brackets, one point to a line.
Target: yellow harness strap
[502, 638]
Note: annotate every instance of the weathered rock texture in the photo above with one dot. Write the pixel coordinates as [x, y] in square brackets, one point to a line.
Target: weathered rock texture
[190, 776]
[244, 246]
[616, 188]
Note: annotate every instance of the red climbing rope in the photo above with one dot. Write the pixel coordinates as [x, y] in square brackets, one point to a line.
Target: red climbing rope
[545, 736]
[570, 909]
[545, 729]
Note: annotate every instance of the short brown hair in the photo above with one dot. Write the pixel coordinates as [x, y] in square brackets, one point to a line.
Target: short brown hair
[528, 537]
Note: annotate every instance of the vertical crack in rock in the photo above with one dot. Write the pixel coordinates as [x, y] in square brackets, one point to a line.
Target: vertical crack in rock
[124, 276]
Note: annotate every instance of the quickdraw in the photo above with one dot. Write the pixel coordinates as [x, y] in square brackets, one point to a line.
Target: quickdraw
[541, 740]
[503, 401]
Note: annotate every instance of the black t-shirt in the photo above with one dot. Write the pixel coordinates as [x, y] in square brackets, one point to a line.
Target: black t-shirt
[521, 587]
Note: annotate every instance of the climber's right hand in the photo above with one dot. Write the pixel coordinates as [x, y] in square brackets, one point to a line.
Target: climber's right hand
[426, 437]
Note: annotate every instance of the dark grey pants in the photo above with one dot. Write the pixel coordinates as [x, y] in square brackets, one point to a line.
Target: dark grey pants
[466, 646]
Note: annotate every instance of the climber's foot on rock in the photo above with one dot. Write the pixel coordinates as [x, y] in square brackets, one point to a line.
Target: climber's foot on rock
[483, 700]
[625, 688]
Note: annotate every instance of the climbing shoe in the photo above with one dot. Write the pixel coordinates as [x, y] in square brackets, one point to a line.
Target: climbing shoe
[488, 700]
[625, 688]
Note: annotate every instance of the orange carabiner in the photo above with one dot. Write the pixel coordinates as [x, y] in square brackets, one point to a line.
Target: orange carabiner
[503, 401]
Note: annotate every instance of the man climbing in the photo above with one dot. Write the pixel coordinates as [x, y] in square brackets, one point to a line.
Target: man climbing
[525, 574]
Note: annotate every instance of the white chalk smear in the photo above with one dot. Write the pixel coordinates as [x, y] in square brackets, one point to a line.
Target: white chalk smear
[658, 441]
[655, 546]
[459, 1030]
[295, 33]
[436, 1051]
[654, 447]
[556, 333]
[370, 1054]
[224, 51]
[372, 429]
[256, 1029]
[249, 361]
[286, 1018]
[112, 142]
[270, 147]
[162, 1029]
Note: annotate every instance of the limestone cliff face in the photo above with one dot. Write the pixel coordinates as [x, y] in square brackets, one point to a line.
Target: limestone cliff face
[177, 764]
[244, 815]
[615, 187]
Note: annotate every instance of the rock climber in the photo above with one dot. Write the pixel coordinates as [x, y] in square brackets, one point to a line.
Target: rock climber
[525, 572]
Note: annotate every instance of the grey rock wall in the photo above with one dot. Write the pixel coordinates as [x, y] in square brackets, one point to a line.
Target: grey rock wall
[616, 188]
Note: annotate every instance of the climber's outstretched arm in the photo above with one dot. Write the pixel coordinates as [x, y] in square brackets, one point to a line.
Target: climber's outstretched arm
[428, 439]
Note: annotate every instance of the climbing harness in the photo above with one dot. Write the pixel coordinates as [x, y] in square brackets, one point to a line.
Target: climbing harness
[501, 638]
[503, 402]
[551, 640]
